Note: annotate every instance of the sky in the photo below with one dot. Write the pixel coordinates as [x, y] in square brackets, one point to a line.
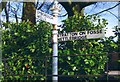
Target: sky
[112, 20]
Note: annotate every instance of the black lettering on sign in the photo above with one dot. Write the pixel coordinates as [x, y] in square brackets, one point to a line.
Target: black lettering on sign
[100, 31]
[90, 32]
[82, 37]
[72, 38]
[65, 34]
[59, 39]
[66, 38]
[94, 31]
[62, 35]
[78, 38]
[82, 33]
[58, 35]
[63, 39]
[74, 34]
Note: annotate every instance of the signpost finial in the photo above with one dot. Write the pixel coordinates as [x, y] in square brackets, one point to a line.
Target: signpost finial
[55, 8]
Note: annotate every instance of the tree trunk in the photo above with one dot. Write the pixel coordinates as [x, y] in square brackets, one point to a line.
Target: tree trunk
[29, 12]
[7, 14]
[2, 5]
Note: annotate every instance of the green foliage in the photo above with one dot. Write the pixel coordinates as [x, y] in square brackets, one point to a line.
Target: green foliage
[80, 23]
[24, 46]
[83, 65]
[110, 45]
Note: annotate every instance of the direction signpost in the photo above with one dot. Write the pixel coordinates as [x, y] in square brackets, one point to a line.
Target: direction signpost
[55, 9]
[53, 20]
[91, 34]
[45, 17]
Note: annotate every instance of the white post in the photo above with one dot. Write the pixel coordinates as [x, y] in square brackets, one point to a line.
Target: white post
[55, 9]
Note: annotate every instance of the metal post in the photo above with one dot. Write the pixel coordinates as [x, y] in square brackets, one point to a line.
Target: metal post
[55, 9]
[55, 58]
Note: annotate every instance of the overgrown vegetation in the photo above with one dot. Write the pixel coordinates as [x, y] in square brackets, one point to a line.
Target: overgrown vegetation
[25, 49]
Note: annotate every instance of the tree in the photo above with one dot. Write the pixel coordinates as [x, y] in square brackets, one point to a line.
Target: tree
[29, 12]
[26, 48]
[24, 45]
[29, 8]
[3, 4]
[75, 6]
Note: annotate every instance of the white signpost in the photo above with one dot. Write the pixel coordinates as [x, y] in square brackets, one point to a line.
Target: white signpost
[91, 34]
[65, 36]
[45, 17]
[53, 20]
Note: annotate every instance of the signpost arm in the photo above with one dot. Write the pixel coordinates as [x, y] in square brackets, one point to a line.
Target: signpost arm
[55, 9]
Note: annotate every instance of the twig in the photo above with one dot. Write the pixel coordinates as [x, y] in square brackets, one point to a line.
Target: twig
[107, 9]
